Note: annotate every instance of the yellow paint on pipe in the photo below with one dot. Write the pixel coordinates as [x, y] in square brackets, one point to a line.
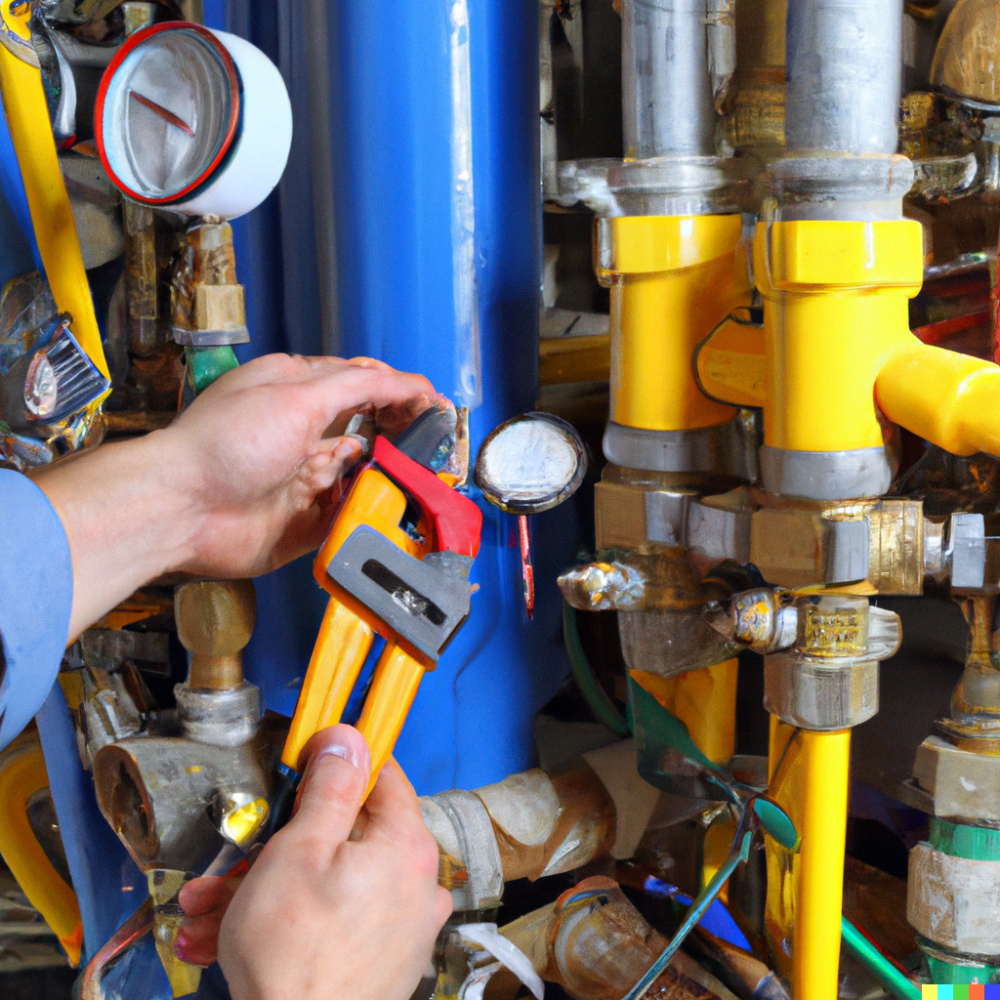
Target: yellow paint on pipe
[948, 398]
[673, 279]
[704, 700]
[51, 215]
[835, 311]
[22, 774]
[809, 775]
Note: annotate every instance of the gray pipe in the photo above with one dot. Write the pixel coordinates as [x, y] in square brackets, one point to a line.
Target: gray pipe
[844, 72]
[666, 93]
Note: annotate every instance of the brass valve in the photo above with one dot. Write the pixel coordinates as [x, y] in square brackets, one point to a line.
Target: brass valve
[215, 620]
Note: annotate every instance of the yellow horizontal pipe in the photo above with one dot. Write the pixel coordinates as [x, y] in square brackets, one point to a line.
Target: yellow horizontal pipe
[574, 359]
[950, 399]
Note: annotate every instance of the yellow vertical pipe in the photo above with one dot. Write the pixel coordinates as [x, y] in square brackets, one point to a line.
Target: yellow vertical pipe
[836, 300]
[51, 215]
[705, 701]
[810, 780]
[672, 280]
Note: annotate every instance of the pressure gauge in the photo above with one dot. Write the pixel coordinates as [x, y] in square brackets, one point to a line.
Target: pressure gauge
[193, 120]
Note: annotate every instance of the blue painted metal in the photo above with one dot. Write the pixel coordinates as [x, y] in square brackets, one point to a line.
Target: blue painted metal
[108, 884]
[396, 91]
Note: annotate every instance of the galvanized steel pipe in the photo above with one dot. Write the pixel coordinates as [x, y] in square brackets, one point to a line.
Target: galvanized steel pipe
[844, 76]
[667, 102]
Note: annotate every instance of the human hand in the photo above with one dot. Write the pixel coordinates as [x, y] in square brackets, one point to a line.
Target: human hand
[264, 446]
[236, 486]
[332, 909]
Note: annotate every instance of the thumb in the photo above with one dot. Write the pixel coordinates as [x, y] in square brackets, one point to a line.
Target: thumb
[337, 769]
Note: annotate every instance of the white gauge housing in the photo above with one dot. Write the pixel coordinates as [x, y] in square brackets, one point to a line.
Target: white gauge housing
[193, 121]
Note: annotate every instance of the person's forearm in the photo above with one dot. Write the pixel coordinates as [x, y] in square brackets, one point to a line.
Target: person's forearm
[127, 516]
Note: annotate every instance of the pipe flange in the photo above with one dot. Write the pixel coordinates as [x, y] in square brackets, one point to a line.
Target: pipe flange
[861, 188]
[826, 475]
[817, 694]
[726, 449]
[665, 185]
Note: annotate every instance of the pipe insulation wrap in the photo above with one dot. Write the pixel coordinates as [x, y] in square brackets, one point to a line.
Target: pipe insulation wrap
[844, 76]
[667, 102]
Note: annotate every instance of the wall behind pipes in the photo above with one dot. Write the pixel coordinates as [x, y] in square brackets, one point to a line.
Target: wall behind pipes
[407, 227]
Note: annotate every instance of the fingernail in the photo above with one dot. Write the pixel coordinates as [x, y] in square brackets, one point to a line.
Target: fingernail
[350, 754]
[181, 944]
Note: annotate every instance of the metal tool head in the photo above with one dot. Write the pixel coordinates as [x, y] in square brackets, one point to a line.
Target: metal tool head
[531, 463]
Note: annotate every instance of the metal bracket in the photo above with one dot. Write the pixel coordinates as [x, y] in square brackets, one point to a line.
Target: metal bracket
[424, 602]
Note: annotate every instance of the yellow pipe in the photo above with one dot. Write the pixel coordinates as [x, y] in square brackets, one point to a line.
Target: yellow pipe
[810, 780]
[51, 215]
[835, 311]
[705, 701]
[22, 774]
[948, 398]
[672, 280]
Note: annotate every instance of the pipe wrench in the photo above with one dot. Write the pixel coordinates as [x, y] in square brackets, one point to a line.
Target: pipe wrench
[396, 563]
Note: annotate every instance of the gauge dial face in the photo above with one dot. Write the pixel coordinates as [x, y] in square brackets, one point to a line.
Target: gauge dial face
[167, 112]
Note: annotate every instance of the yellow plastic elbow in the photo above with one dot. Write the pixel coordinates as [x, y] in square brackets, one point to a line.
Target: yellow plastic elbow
[950, 399]
[22, 774]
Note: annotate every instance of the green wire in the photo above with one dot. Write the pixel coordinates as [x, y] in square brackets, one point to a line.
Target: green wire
[601, 705]
[876, 963]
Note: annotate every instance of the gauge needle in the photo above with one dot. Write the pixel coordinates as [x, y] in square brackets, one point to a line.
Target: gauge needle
[159, 109]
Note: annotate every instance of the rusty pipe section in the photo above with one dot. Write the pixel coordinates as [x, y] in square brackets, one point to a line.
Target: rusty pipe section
[527, 826]
[596, 945]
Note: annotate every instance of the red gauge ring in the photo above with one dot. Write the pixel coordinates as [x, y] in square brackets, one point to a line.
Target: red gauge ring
[232, 126]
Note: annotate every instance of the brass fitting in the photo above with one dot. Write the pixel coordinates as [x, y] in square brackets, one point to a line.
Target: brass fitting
[207, 301]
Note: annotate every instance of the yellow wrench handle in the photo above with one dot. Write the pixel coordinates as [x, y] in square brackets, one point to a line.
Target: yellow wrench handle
[338, 656]
[394, 686]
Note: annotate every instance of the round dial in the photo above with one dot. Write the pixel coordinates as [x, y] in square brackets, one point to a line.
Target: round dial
[168, 112]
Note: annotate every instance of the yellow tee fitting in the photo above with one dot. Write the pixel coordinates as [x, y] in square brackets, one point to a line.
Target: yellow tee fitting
[835, 311]
[673, 279]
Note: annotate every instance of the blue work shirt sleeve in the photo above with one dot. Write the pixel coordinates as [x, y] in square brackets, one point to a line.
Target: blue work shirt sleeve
[36, 597]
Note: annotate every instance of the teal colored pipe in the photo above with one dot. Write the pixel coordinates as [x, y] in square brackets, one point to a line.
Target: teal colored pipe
[876, 963]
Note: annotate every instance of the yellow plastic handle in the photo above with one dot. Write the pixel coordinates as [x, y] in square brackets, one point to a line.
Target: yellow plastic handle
[22, 774]
[394, 686]
[338, 656]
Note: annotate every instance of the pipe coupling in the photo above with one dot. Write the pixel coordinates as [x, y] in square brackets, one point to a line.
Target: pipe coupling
[829, 679]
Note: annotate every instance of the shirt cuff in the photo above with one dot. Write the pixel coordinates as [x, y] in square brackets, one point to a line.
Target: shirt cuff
[36, 598]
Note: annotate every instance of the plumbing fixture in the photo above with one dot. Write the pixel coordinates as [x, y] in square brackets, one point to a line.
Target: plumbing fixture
[196, 780]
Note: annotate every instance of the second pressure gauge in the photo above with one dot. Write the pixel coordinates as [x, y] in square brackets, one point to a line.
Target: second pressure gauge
[193, 120]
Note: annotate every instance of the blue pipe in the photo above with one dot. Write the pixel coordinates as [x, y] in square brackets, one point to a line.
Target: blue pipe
[433, 152]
